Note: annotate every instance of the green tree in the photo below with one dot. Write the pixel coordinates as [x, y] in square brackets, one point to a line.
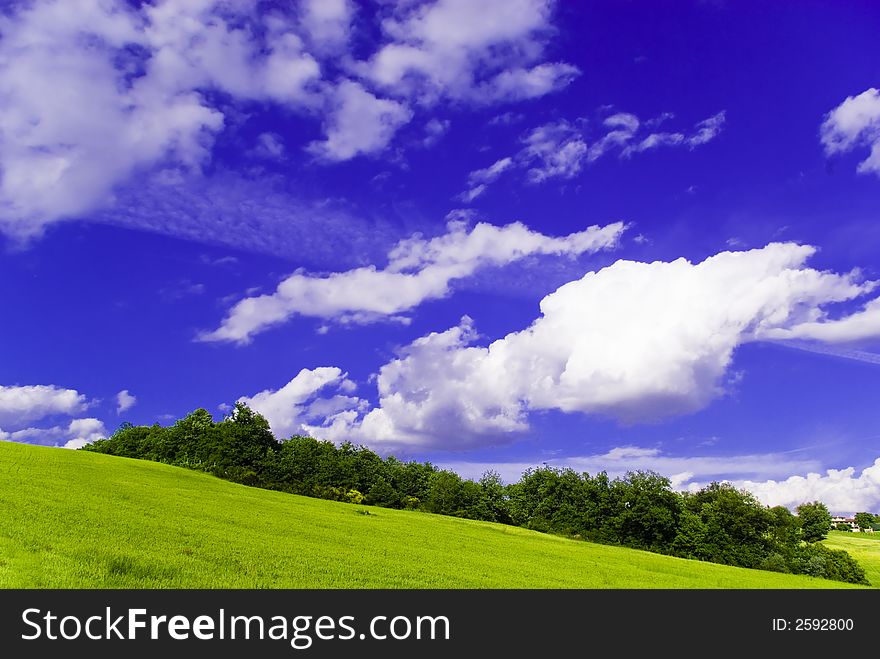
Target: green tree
[785, 528]
[495, 497]
[815, 521]
[444, 493]
[731, 526]
[648, 518]
[864, 520]
[382, 494]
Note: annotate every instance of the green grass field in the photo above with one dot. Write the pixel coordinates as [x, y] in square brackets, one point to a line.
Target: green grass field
[72, 519]
[864, 547]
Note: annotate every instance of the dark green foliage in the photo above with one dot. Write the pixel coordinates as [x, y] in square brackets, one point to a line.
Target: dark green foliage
[815, 521]
[648, 516]
[820, 561]
[382, 494]
[717, 523]
[865, 520]
[727, 526]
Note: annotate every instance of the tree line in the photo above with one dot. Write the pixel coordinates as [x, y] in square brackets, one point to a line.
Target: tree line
[718, 523]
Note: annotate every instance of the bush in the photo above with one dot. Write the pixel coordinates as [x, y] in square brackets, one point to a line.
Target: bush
[820, 561]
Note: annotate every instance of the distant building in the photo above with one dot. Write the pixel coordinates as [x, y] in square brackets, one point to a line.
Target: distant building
[839, 519]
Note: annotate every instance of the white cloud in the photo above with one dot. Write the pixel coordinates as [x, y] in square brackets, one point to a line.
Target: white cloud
[559, 150]
[479, 52]
[864, 324]
[704, 132]
[22, 404]
[842, 490]
[480, 178]
[553, 150]
[327, 24]
[294, 405]
[84, 431]
[94, 91]
[97, 92]
[359, 123]
[418, 270]
[707, 130]
[522, 83]
[855, 123]
[124, 401]
[76, 434]
[589, 351]
[622, 128]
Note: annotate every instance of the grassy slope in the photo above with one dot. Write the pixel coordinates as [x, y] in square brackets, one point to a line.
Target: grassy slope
[864, 547]
[76, 519]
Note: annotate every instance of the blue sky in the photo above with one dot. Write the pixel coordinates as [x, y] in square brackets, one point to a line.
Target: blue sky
[490, 235]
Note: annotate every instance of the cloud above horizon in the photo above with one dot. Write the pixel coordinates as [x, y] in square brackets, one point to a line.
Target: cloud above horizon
[125, 401]
[97, 93]
[842, 490]
[560, 149]
[22, 404]
[589, 352]
[291, 408]
[418, 269]
[74, 435]
[852, 124]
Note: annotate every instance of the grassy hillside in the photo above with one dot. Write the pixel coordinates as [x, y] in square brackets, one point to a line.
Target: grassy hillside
[75, 519]
[864, 547]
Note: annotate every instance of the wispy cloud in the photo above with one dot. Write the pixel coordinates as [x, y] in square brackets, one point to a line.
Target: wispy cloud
[561, 149]
[255, 214]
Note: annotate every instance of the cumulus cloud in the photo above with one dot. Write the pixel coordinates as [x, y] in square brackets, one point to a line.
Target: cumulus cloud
[358, 123]
[327, 24]
[852, 124]
[84, 431]
[22, 404]
[589, 351]
[290, 408]
[478, 52]
[844, 491]
[560, 149]
[76, 434]
[417, 270]
[124, 401]
[93, 91]
[96, 92]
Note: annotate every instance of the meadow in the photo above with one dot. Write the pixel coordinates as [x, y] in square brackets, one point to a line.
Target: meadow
[74, 519]
[864, 547]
